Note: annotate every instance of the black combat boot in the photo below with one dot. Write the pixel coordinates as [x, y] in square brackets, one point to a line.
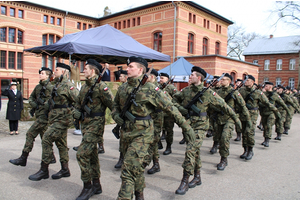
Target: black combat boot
[53, 159]
[155, 168]
[64, 172]
[260, 127]
[139, 195]
[168, 149]
[184, 185]
[160, 146]
[182, 141]
[86, 192]
[250, 153]
[223, 163]
[163, 136]
[286, 131]
[266, 142]
[238, 137]
[101, 148]
[75, 148]
[196, 180]
[278, 137]
[244, 155]
[97, 189]
[120, 161]
[22, 160]
[214, 148]
[209, 133]
[43, 173]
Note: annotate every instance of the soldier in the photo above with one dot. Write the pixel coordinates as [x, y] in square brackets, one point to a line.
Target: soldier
[92, 127]
[37, 99]
[168, 124]
[63, 94]
[224, 124]
[140, 134]
[123, 76]
[267, 116]
[288, 121]
[252, 97]
[199, 122]
[238, 131]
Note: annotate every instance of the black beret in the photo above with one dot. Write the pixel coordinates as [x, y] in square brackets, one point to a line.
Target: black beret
[94, 63]
[45, 69]
[123, 72]
[120, 67]
[237, 80]
[216, 77]
[269, 83]
[251, 77]
[63, 65]
[164, 74]
[200, 70]
[228, 75]
[137, 60]
[153, 71]
[288, 87]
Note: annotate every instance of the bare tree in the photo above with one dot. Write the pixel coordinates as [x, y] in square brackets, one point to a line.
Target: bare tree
[106, 11]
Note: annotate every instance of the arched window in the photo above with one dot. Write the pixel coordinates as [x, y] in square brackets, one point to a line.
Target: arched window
[205, 46]
[190, 47]
[11, 35]
[233, 74]
[217, 51]
[157, 41]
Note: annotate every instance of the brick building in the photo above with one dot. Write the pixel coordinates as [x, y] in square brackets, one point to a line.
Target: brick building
[200, 36]
[277, 58]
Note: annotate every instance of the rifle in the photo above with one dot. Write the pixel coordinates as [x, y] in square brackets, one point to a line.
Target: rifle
[166, 83]
[191, 105]
[88, 98]
[54, 91]
[39, 101]
[129, 101]
[230, 95]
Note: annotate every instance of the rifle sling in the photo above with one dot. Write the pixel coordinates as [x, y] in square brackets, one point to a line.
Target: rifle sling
[198, 115]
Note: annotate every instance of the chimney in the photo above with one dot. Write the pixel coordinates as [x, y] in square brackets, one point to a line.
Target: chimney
[271, 36]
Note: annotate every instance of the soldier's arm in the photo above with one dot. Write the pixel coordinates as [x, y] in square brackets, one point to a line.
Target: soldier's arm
[240, 101]
[73, 93]
[106, 95]
[116, 109]
[281, 102]
[33, 95]
[265, 101]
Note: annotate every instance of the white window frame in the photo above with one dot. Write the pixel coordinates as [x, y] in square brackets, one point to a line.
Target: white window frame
[267, 65]
[292, 82]
[255, 62]
[278, 81]
[266, 79]
[292, 64]
[279, 64]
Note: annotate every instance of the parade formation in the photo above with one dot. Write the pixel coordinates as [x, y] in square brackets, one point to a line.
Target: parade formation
[143, 109]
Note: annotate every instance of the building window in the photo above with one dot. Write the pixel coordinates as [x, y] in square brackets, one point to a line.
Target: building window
[267, 65]
[79, 25]
[233, 74]
[11, 35]
[128, 23]
[3, 59]
[157, 43]
[49, 39]
[207, 24]
[292, 64]
[279, 64]
[20, 14]
[44, 59]
[190, 17]
[2, 34]
[138, 21]
[124, 24]
[44, 40]
[133, 22]
[119, 25]
[81, 66]
[51, 20]
[12, 12]
[266, 79]
[84, 26]
[220, 28]
[58, 21]
[20, 61]
[291, 82]
[90, 26]
[217, 28]
[50, 62]
[255, 62]
[204, 23]
[11, 60]
[190, 47]
[205, 45]
[116, 25]
[20, 37]
[45, 19]
[194, 19]
[3, 10]
[278, 81]
[217, 48]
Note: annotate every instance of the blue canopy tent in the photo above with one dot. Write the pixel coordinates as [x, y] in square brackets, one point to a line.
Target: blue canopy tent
[103, 43]
[181, 69]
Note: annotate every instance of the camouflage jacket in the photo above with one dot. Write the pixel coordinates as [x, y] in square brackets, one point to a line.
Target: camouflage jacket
[210, 99]
[274, 99]
[295, 100]
[287, 100]
[234, 102]
[170, 89]
[40, 113]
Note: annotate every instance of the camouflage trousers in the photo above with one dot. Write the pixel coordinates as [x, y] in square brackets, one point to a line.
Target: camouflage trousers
[268, 121]
[153, 148]
[168, 126]
[224, 133]
[237, 128]
[59, 136]
[279, 123]
[192, 160]
[288, 121]
[37, 128]
[248, 134]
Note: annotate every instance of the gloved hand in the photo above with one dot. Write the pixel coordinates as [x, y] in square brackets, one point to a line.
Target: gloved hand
[33, 104]
[290, 114]
[277, 114]
[238, 123]
[183, 111]
[119, 120]
[189, 135]
[76, 114]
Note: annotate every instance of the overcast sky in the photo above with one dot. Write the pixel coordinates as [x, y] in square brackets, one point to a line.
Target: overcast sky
[253, 15]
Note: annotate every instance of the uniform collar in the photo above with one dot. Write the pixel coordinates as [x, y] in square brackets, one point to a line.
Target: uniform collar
[197, 88]
[91, 81]
[134, 81]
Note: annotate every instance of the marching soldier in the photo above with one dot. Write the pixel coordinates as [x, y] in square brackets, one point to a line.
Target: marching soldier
[140, 132]
[288, 121]
[199, 122]
[37, 99]
[63, 94]
[92, 127]
[238, 131]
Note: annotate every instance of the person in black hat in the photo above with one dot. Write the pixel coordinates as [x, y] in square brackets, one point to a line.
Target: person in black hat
[118, 73]
[40, 94]
[123, 76]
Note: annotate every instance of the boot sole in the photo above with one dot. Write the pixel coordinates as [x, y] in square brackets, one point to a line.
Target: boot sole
[64, 176]
[22, 165]
[183, 193]
[45, 177]
[152, 172]
[193, 186]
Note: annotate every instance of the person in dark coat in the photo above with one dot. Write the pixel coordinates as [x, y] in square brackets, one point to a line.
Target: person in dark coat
[106, 75]
[14, 106]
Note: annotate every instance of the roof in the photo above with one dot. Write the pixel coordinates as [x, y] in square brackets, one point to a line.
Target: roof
[279, 45]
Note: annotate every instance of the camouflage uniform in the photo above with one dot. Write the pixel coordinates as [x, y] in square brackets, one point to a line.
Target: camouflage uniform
[212, 120]
[92, 128]
[288, 121]
[140, 135]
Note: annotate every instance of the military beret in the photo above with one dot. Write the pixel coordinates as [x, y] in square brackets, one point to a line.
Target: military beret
[123, 72]
[14, 83]
[94, 63]
[137, 60]
[228, 75]
[200, 70]
[45, 69]
[153, 71]
[251, 77]
[164, 74]
[63, 65]
[120, 67]
[288, 88]
[237, 80]
[216, 77]
[269, 83]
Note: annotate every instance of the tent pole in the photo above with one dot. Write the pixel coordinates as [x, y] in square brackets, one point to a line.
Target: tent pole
[174, 39]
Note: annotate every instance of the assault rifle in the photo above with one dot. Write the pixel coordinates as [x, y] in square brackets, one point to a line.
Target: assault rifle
[88, 98]
[230, 95]
[129, 101]
[171, 79]
[191, 105]
[249, 96]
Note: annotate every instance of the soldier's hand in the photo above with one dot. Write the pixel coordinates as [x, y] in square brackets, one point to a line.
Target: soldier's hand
[277, 114]
[183, 111]
[189, 135]
[119, 120]
[33, 104]
[238, 123]
[76, 114]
